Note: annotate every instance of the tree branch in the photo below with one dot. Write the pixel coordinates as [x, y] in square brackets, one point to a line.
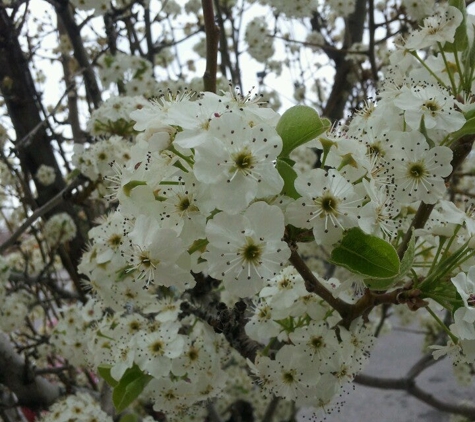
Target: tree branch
[314, 286]
[32, 391]
[92, 88]
[409, 385]
[40, 212]
[212, 41]
[342, 86]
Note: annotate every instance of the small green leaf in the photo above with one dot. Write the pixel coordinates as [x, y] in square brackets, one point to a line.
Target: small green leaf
[406, 265]
[467, 129]
[298, 125]
[198, 245]
[129, 387]
[408, 258]
[284, 167]
[129, 417]
[105, 372]
[366, 255]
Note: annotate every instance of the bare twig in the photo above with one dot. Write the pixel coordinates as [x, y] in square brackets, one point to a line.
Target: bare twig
[313, 285]
[372, 30]
[52, 203]
[212, 40]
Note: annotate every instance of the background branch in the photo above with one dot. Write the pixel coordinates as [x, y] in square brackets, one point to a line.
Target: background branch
[32, 391]
[212, 40]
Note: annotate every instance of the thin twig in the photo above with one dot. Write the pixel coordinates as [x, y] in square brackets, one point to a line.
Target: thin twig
[212, 40]
[53, 202]
[372, 29]
[313, 285]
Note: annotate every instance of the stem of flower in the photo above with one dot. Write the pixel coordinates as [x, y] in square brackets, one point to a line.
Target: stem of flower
[442, 325]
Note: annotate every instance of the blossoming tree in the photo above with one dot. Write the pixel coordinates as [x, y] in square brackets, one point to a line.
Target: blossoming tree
[179, 251]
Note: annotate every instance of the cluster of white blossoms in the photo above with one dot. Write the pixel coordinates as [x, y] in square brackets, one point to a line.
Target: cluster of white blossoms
[319, 358]
[259, 39]
[45, 175]
[59, 228]
[208, 209]
[134, 73]
[80, 407]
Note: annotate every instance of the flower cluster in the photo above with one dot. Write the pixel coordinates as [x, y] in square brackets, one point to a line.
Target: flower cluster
[316, 351]
[200, 252]
[80, 407]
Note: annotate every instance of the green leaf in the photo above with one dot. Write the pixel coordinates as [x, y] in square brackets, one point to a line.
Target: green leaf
[405, 267]
[298, 125]
[129, 417]
[284, 167]
[366, 255]
[129, 387]
[408, 258]
[467, 129]
[198, 245]
[105, 372]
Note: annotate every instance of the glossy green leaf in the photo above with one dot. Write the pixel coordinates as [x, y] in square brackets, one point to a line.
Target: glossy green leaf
[129, 387]
[405, 267]
[105, 372]
[298, 125]
[366, 255]
[289, 175]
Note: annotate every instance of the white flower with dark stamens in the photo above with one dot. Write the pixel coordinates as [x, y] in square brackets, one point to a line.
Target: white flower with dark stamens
[439, 28]
[156, 350]
[245, 250]
[328, 205]
[433, 104]
[153, 253]
[287, 375]
[237, 161]
[378, 216]
[418, 170]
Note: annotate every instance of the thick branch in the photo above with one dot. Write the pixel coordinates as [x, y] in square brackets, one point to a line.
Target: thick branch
[32, 391]
[408, 385]
[342, 85]
[92, 88]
